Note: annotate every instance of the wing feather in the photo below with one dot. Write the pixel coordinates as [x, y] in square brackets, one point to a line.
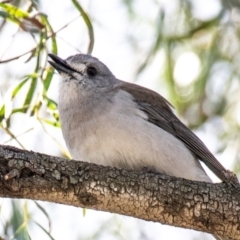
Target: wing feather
[159, 112]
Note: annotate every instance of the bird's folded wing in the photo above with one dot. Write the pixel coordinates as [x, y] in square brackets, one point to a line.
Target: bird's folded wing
[159, 112]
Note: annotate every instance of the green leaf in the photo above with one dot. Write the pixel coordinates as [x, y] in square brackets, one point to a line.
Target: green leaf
[31, 91]
[2, 113]
[14, 11]
[18, 87]
[8, 17]
[88, 24]
[18, 224]
[21, 110]
[54, 124]
[48, 79]
[53, 37]
[52, 105]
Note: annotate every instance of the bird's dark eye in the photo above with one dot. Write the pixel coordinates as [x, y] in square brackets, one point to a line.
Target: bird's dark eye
[91, 71]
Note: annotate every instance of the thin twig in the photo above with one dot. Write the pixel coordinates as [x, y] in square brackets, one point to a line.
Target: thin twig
[31, 50]
[19, 135]
[16, 57]
[13, 137]
[61, 28]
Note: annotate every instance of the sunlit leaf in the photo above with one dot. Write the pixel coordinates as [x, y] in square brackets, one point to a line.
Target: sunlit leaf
[53, 36]
[21, 110]
[30, 93]
[52, 105]
[33, 80]
[7, 16]
[14, 11]
[2, 113]
[18, 87]
[47, 80]
[52, 123]
[88, 24]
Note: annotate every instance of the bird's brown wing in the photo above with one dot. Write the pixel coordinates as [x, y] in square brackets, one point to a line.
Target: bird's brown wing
[159, 112]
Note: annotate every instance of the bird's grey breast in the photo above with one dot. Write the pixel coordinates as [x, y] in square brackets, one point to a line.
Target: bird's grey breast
[109, 129]
[94, 125]
[80, 112]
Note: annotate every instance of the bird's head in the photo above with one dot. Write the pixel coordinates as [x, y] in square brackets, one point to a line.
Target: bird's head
[85, 71]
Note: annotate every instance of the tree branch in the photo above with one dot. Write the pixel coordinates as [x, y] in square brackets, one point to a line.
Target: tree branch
[212, 208]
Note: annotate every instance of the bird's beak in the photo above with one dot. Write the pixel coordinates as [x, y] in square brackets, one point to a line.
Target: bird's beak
[60, 65]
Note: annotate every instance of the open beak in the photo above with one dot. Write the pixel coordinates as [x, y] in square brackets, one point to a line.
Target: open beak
[60, 65]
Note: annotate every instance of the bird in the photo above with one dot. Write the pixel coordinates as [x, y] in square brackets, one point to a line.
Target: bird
[114, 123]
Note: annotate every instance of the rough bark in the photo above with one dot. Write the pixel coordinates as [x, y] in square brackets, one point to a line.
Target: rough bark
[212, 208]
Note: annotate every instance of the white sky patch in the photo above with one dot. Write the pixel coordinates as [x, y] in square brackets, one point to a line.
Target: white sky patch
[186, 69]
[206, 10]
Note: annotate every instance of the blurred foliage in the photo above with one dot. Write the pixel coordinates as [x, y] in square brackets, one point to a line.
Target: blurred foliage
[16, 227]
[211, 98]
